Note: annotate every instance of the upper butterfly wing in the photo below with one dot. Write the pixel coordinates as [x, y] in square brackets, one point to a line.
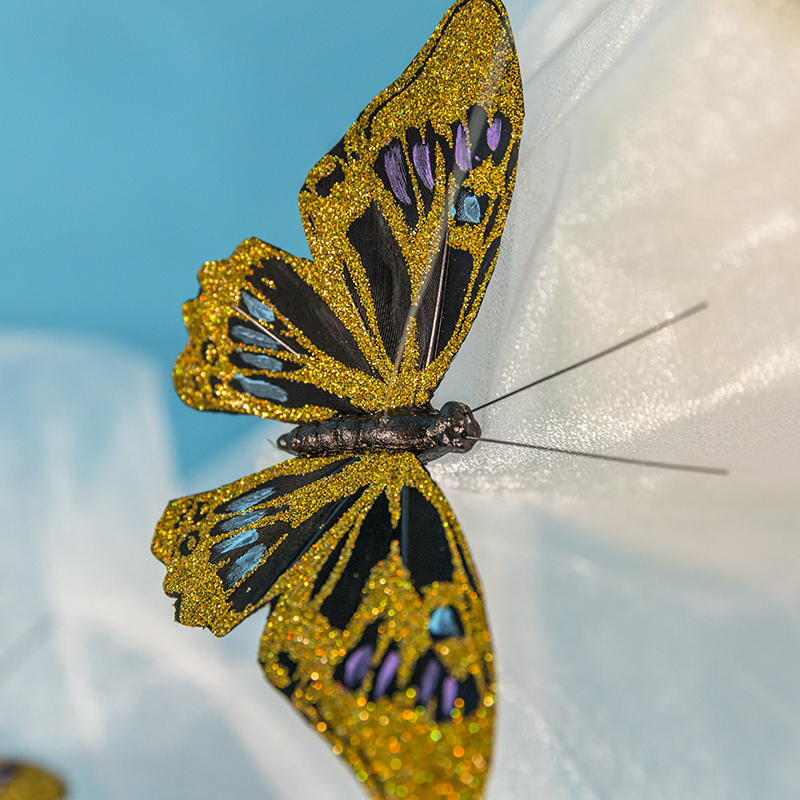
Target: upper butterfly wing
[376, 631]
[403, 217]
[263, 340]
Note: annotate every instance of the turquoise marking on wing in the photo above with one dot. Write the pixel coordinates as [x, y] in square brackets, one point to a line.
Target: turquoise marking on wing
[257, 309]
[240, 521]
[443, 622]
[261, 361]
[469, 210]
[247, 500]
[241, 334]
[239, 540]
[262, 389]
[246, 563]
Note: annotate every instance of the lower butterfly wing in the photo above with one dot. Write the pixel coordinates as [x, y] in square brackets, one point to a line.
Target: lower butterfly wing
[20, 781]
[376, 631]
[380, 639]
[226, 549]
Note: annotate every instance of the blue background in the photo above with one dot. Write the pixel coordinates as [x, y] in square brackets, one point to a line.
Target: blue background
[141, 138]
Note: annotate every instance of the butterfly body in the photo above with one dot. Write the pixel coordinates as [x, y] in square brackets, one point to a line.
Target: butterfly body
[376, 629]
[427, 433]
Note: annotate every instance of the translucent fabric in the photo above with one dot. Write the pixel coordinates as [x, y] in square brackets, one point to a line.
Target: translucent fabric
[646, 623]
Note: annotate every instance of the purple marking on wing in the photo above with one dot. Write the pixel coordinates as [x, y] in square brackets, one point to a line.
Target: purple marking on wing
[395, 169]
[357, 666]
[449, 694]
[422, 163]
[7, 773]
[493, 133]
[427, 684]
[386, 673]
[463, 156]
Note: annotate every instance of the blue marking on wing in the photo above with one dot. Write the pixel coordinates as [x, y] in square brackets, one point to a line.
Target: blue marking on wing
[469, 209]
[241, 521]
[246, 500]
[261, 388]
[246, 563]
[444, 622]
[243, 334]
[261, 311]
[239, 540]
[261, 361]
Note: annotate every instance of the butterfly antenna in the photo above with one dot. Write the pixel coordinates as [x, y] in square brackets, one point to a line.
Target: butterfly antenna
[264, 330]
[639, 336]
[639, 462]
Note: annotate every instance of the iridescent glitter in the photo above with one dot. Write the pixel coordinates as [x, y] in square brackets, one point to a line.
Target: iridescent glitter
[376, 630]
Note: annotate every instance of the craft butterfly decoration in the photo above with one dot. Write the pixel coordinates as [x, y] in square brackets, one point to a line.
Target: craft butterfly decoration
[376, 629]
[20, 781]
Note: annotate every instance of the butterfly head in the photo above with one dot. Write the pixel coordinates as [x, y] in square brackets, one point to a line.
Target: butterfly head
[453, 430]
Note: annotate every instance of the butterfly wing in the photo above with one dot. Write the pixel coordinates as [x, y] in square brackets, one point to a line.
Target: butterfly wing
[406, 213]
[403, 218]
[376, 630]
[20, 781]
[265, 340]
[224, 550]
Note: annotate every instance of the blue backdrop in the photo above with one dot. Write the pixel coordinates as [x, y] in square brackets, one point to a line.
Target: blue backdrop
[140, 138]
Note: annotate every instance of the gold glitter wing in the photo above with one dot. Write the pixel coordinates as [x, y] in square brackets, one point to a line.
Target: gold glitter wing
[263, 340]
[403, 218]
[225, 550]
[25, 782]
[376, 631]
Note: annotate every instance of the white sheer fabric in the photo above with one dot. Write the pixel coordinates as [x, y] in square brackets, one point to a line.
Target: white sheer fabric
[647, 624]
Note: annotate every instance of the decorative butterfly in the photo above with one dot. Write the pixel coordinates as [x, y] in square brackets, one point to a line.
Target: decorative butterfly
[20, 781]
[376, 629]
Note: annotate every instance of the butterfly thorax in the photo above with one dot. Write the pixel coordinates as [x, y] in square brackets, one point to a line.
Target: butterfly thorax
[426, 432]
